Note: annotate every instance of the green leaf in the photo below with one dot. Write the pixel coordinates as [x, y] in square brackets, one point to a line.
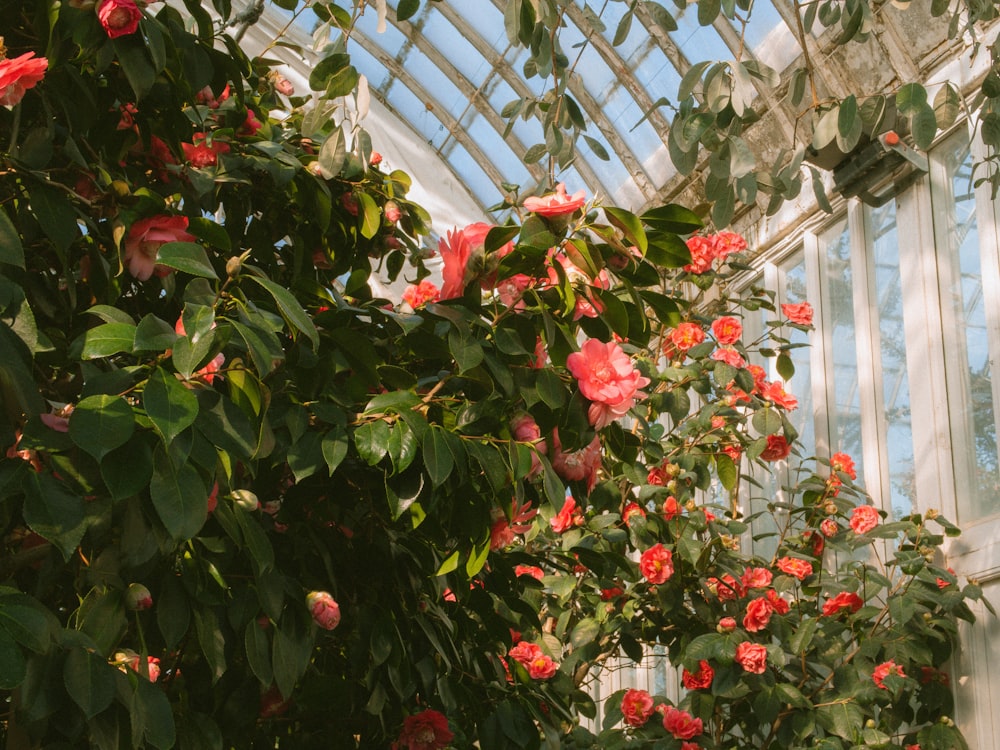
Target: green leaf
[477, 559]
[99, 424]
[154, 334]
[842, 719]
[333, 154]
[672, 218]
[826, 128]
[127, 469]
[629, 224]
[24, 620]
[170, 406]
[597, 148]
[437, 456]
[371, 440]
[210, 232]
[11, 249]
[289, 308]
[924, 127]
[155, 714]
[334, 446]
[89, 680]
[371, 216]
[584, 632]
[465, 348]
[104, 620]
[661, 16]
[767, 421]
[849, 124]
[212, 641]
[179, 496]
[258, 649]
[305, 457]
[785, 366]
[52, 511]
[910, 99]
[13, 667]
[802, 636]
[138, 68]
[947, 105]
[108, 339]
[188, 257]
[725, 467]
[406, 9]
[173, 612]
[819, 191]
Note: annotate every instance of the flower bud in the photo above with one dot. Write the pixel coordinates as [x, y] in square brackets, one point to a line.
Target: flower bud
[138, 598]
[120, 188]
[830, 508]
[393, 212]
[932, 514]
[246, 499]
[870, 724]
[324, 610]
[726, 625]
[233, 266]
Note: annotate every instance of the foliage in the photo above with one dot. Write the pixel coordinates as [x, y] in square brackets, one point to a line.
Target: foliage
[248, 504]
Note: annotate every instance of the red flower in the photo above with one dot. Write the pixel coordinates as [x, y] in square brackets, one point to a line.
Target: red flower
[671, 508]
[885, 669]
[637, 707]
[19, 74]
[752, 657]
[632, 510]
[699, 680]
[201, 154]
[758, 614]
[795, 567]
[681, 724]
[427, 730]
[841, 462]
[557, 203]
[727, 329]
[119, 17]
[777, 448]
[780, 605]
[727, 588]
[864, 518]
[568, 517]
[844, 600]
[324, 610]
[250, 125]
[144, 240]
[524, 652]
[656, 564]
[612, 593]
[730, 356]
[801, 313]
[529, 570]
[540, 666]
[756, 578]
[726, 625]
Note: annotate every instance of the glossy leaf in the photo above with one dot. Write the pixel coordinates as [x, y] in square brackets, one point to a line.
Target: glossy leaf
[99, 424]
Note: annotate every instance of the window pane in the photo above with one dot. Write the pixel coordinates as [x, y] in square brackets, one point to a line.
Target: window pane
[794, 291]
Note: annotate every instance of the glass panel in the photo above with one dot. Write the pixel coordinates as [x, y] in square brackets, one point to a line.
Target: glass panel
[845, 414]
[898, 440]
[968, 313]
[695, 41]
[800, 385]
[767, 36]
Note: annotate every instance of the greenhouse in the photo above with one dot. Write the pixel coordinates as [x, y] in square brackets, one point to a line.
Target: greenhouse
[426, 374]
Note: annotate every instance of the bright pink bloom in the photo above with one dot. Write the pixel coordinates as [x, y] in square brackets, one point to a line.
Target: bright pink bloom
[456, 249]
[776, 393]
[844, 600]
[699, 680]
[756, 578]
[829, 527]
[885, 669]
[796, 567]
[727, 329]
[569, 517]
[19, 74]
[656, 564]
[864, 518]
[777, 448]
[144, 239]
[581, 465]
[119, 17]
[283, 86]
[418, 295]
[702, 254]
[801, 313]
[542, 668]
[727, 243]
[607, 378]
[557, 203]
[324, 610]
[681, 724]
[752, 657]
[730, 356]
[523, 652]
[427, 730]
[637, 707]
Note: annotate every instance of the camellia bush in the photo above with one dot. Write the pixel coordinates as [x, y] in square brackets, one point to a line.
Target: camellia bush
[247, 504]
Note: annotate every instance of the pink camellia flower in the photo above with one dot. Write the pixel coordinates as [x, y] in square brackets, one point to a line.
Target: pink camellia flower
[727, 329]
[726, 625]
[730, 356]
[119, 17]
[702, 251]
[529, 570]
[19, 74]
[525, 429]
[686, 336]
[282, 85]
[756, 578]
[455, 250]
[776, 393]
[324, 610]
[690, 746]
[202, 154]
[795, 567]
[780, 605]
[392, 211]
[607, 378]
[637, 707]
[752, 657]
[523, 652]
[841, 462]
[885, 669]
[569, 517]
[801, 313]
[829, 527]
[427, 730]
[758, 614]
[144, 239]
[207, 97]
[864, 518]
[671, 508]
[557, 203]
[656, 564]
[777, 448]
[699, 680]
[375, 159]
[138, 598]
[726, 588]
[631, 512]
[844, 600]
[681, 724]
[581, 465]
[250, 125]
[727, 243]
[418, 295]
[542, 667]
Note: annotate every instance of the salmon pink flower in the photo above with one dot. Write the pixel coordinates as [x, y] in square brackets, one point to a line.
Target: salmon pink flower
[776, 393]
[726, 625]
[795, 567]
[607, 378]
[19, 74]
[686, 336]
[418, 295]
[752, 657]
[844, 600]
[727, 329]
[885, 669]
[427, 730]
[542, 667]
[781, 606]
[119, 17]
[529, 570]
[637, 707]
[671, 508]
[681, 724]
[777, 448]
[726, 588]
[730, 356]
[829, 527]
[801, 313]
[144, 239]
[758, 614]
[581, 465]
[656, 564]
[457, 248]
[864, 518]
[557, 203]
[631, 512]
[842, 463]
[702, 251]
[756, 578]
[324, 610]
[567, 518]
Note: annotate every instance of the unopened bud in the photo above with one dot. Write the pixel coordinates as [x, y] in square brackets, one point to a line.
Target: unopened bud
[932, 514]
[870, 723]
[233, 266]
[246, 499]
[120, 188]
[830, 508]
[138, 598]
